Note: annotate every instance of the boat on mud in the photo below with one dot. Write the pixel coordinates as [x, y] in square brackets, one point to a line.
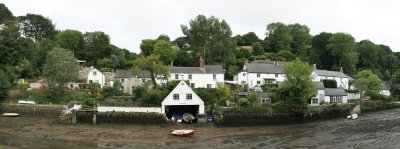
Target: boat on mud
[10, 114]
[187, 117]
[183, 132]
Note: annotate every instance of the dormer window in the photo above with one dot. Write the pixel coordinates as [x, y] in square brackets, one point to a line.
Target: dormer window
[94, 73]
[258, 75]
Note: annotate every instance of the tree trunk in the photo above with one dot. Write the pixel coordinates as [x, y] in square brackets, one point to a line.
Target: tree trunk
[153, 80]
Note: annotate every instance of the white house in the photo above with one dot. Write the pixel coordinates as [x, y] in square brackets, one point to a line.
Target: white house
[319, 93]
[96, 76]
[128, 80]
[341, 79]
[336, 95]
[182, 96]
[257, 74]
[385, 89]
[205, 76]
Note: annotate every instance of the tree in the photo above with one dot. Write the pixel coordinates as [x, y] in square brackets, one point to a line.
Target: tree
[153, 64]
[342, 47]
[36, 26]
[61, 67]
[279, 36]
[320, 53]
[258, 49]
[301, 43]
[97, 46]
[249, 38]
[298, 88]
[223, 94]
[185, 59]
[210, 37]
[368, 55]
[71, 40]
[165, 50]
[5, 85]
[367, 81]
[395, 85]
[164, 37]
[285, 55]
[147, 47]
[5, 14]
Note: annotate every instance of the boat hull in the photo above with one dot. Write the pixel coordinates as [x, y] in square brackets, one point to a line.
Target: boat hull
[10, 115]
[183, 133]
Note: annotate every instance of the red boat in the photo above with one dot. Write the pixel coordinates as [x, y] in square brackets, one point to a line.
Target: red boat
[182, 132]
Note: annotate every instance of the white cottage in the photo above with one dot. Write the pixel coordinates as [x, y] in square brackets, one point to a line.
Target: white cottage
[182, 98]
[257, 74]
[319, 93]
[205, 76]
[336, 95]
[341, 79]
[95, 76]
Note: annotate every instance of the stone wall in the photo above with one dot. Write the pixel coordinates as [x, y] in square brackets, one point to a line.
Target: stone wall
[32, 110]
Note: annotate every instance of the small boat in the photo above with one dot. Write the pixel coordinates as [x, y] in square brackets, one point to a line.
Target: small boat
[187, 117]
[354, 116]
[182, 132]
[10, 114]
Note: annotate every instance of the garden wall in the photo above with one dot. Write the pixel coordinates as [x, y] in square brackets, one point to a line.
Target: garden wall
[32, 110]
[378, 106]
[122, 117]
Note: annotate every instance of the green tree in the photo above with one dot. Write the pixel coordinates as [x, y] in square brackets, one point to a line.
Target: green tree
[210, 37]
[298, 88]
[164, 37]
[153, 64]
[301, 43]
[343, 48]
[5, 85]
[5, 14]
[367, 81]
[279, 36]
[223, 94]
[147, 47]
[285, 55]
[185, 59]
[368, 55]
[36, 26]
[249, 38]
[165, 50]
[97, 46]
[61, 67]
[258, 49]
[320, 53]
[71, 40]
[395, 85]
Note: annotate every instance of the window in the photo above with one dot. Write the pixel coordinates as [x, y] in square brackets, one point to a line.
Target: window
[143, 80]
[94, 73]
[276, 75]
[208, 85]
[176, 97]
[337, 99]
[265, 100]
[258, 82]
[189, 96]
[190, 76]
[214, 77]
[258, 75]
[244, 74]
[90, 81]
[192, 85]
[269, 81]
[176, 76]
[243, 82]
[122, 81]
[314, 100]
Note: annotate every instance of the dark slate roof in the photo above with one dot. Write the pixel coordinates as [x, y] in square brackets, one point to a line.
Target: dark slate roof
[319, 85]
[123, 74]
[335, 92]
[385, 86]
[328, 73]
[264, 68]
[144, 74]
[209, 69]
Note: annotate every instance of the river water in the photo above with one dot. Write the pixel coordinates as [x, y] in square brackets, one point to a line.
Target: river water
[371, 130]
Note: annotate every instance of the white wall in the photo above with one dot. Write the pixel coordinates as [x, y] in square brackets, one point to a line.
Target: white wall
[251, 78]
[341, 82]
[129, 109]
[182, 90]
[385, 92]
[200, 80]
[98, 78]
[353, 95]
[345, 99]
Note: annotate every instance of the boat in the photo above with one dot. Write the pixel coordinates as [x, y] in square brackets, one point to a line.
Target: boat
[183, 132]
[176, 118]
[354, 116]
[10, 114]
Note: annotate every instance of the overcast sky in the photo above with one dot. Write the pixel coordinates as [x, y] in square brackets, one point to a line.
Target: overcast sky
[129, 21]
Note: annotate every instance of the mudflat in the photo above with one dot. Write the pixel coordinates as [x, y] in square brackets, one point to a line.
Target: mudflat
[371, 130]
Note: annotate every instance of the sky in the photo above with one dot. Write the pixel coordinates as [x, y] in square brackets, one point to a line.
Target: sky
[128, 22]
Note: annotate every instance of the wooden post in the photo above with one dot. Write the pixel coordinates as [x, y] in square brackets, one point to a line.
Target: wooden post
[94, 120]
[73, 119]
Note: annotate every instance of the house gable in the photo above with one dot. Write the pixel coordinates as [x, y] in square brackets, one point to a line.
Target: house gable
[182, 89]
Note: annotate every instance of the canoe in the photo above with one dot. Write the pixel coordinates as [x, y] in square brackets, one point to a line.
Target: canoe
[10, 114]
[183, 132]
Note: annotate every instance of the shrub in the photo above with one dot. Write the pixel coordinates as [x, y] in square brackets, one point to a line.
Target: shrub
[207, 95]
[330, 83]
[23, 86]
[269, 87]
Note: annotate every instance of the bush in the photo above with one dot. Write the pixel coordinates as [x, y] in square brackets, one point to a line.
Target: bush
[352, 91]
[269, 87]
[207, 95]
[330, 83]
[83, 86]
[23, 86]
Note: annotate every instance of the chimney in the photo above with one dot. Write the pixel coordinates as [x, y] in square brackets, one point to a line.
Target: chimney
[314, 66]
[277, 63]
[341, 69]
[172, 63]
[246, 61]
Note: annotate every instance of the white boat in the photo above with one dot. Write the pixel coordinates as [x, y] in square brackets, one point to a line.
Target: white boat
[354, 116]
[183, 132]
[10, 114]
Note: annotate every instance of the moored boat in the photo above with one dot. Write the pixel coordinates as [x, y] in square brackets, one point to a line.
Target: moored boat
[10, 114]
[183, 132]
